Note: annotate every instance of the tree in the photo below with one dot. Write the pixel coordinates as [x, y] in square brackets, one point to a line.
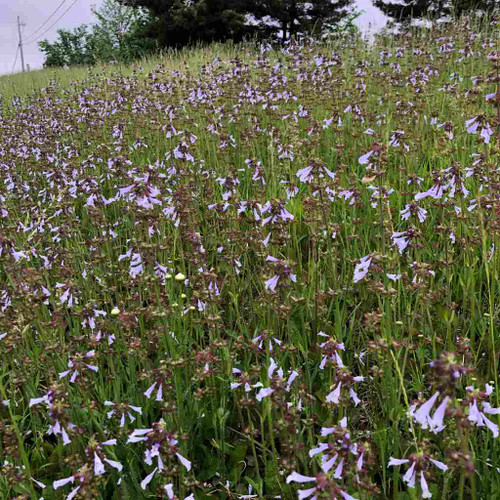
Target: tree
[180, 22]
[72, 48]
[120, 32]
[406, 10]
[118, 35]
[184, 21]
[293, 16]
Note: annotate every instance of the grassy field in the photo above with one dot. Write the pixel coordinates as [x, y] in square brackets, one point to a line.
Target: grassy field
[254, 272]
[186, 60]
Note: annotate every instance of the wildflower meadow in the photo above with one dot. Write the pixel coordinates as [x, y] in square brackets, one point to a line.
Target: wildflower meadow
[269, 273]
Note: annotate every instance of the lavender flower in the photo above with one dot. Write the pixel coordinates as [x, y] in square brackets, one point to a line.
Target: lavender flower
[422, 415]
[414, 209]
[77, 365]
[416, 470]
[159, 443]
[477, 122]
[323, 484]
[346, 380]
[477, 415]
[122, 410]
[361, 269]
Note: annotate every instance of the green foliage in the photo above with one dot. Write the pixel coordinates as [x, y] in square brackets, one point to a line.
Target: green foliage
[71, 155]
[121, 32]
[73, 47]
[293, 16]
[202, 21]
[345, 29]
[180, 23]
[406, 10]
[119, 35]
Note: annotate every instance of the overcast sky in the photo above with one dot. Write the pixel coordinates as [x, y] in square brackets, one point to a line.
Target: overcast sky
[35, 12]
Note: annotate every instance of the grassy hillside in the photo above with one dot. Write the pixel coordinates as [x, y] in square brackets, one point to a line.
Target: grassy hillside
[188, 59]
[247, 272]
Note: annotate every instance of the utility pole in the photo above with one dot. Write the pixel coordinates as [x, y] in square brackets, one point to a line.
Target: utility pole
[20, 41]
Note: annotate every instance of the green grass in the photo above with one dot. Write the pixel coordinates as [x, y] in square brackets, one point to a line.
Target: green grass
[191, 59]
[213, 140]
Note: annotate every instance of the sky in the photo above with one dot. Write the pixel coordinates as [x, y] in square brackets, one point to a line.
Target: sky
[35, 12]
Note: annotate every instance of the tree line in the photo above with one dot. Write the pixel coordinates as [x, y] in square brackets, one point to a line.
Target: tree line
[129, 29]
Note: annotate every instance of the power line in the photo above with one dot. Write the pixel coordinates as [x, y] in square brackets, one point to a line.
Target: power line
[47, 20]
[53, 24]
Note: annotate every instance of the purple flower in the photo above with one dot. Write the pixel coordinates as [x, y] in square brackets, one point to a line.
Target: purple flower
[411, 474]
[422, 415]
[136, 266]
[361, 269]
[68, 296]
[439, 465]
[334, 396]
[394, 277]
[478, 416]
[435, 192]
[394, 462]
[76, 365]
[436, 422]
[423, 484]
[62, 482]
[295, 477]
[400, 240]
[169, 490]
[486, 133]
[290, 380]
[304, 174]
[264, 393]
[148, 479]
[122, 410]
[138, 435]
[265, 241]
[262, 337]
[365, 159]
[472, 125]
[413, 208]
[159, 394]
[326, 431]
[99, 468]
[479, 121]
[271, 283]
[330, 347]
